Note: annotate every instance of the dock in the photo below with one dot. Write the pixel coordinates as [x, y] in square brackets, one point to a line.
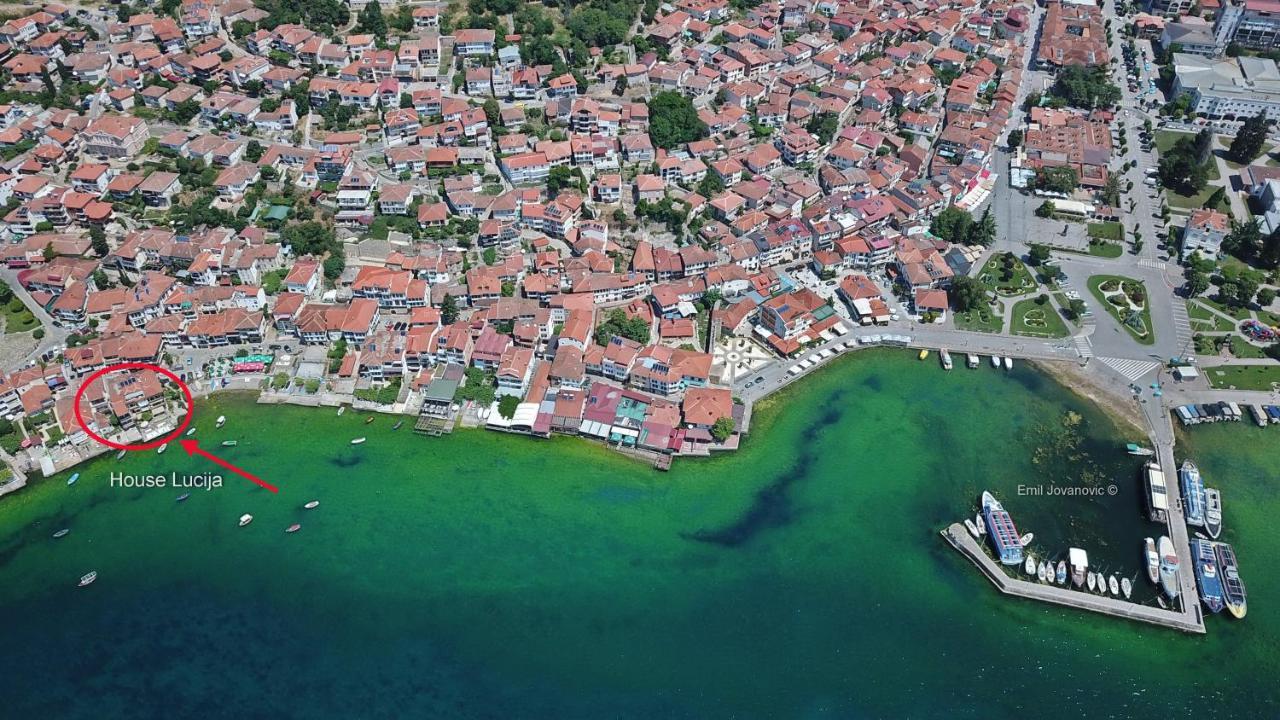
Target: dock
[1189, 621]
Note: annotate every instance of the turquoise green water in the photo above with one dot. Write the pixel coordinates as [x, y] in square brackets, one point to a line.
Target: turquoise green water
[484, 575]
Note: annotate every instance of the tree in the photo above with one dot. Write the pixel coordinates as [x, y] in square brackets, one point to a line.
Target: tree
[507, 405]
[1059, 179]
[982, 232]
[334, 265]
[1249, 139]
[722, 428]
[492, 112]
[98, 239]
[1015, 138]
[1197, 283]
[618, 323]
[712, 184]
[674, 121]
[1039, 254]
[597, 27]
[952, 224]
[49, 252]
[448, 310]
[1266, 296]
[824, 126]
[1181, 169]
[1085, 86]
[371, 21]
[967, 293]
[1244, 241]
[1046, 209]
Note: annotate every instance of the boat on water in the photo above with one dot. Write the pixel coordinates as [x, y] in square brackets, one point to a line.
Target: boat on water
[293, 528]
[358, 441]
[1001, 530]
[222, 420]
[1029, 567]
[1126, 587]
[995, 361]
[341, 409]
[1079, 565]
[924, 354]
[1192, 493]
[1207, 578]
[971, 527]
[1040, 572]
[183, 497]
[1008, 363]
[121, 454]
[62, 533]
[972, 361]
[230, 443]
[1093, 581]
[1025, 540]
[397, 425]
[1157, 493]
[88, 578]
[312, 505]
[982, 527]
[74, 477]
[1233, 594]
[1113, 585]
[191, 432]
[945, 357]
[245, 519]
[1212, 512]
[1135, 449]
[1153, 560]
[368, 420]
[1061, 575]
[1168, 567]
[160, 450]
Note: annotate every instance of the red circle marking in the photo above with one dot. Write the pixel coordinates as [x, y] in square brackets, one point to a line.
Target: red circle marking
[186, 392]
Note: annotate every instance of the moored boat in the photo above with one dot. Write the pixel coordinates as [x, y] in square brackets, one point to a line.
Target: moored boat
[1113, 585]
[183, 497]
[1213, 512]
[293, 528]
[995, 361]
[120, 454]
[1126, 587]
[312, 505]
[222, 420]
[1025, 540]
[62, 533]
[341, 409]
[245, 519]
[1153, 560]
[1207, 578]
[972, 361]
[945, 358]
[982, 527]
[1008, 363]
[1157, 493]
[1029, 566]
[1093, 581]
[160, 450]
[1192, 493]
[397, 425]
[368, 420]
[1079, 565]
[88, 578]
[1041, 572]
[1061, 575]
[191, 432]
[358, 441]
[973, 529]
[924, 354]
[230, 443]
[74, 477]
[1001, 530]
[1135, 449]
[1168, 567]
[1233, 593]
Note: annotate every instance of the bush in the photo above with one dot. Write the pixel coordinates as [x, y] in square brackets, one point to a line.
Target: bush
[38, 333]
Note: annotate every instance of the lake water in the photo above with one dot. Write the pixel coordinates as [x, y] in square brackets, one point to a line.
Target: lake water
[486, 575]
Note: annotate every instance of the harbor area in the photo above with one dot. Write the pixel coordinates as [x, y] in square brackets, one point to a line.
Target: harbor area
[1188, 620]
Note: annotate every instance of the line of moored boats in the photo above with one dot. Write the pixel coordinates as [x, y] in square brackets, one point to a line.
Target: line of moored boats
[972, 361]
[1199, 413]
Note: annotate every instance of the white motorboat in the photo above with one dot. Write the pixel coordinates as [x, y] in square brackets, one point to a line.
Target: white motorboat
[1025, 540]
[222, 420]
[973, 529]
[1030, 565]
[312, 505]
[1092, 581]
[1008, 363]
[972, 361]
[342, 409]
[1113, 585]
[995, 361]
[1126, 587]
[88, 578]
[1041, 572]
[245, 519]
[358, 441]
[982, 526]
[162, 448]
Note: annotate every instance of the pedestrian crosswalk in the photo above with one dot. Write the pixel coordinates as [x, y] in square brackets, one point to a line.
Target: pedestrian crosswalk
[1083, 346]
[1131, 370]
[1181, 323]
[1149, 263]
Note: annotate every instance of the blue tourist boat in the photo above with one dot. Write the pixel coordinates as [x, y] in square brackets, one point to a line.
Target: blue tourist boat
[1192, 493]
[1233, 594]
[1207, 574]
[1000, 528]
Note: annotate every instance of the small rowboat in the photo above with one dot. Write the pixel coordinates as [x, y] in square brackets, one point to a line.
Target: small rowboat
[183, 497]
[358, 441]
[62, 533]
[162, 448]
[312, 505]
[293, 528]
[397, 425]
[72, 480]
[368, 420]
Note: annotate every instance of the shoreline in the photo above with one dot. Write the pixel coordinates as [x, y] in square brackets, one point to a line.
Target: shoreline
[1111, 400]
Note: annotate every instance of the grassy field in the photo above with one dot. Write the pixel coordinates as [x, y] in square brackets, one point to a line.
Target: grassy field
[1037, 320]
[17, 318]
[1244, 377]
[984, 320]
[1106, 249]
[1147, 336]
[1018, 283]
[1165, 140]
[1111, 231]
[1242, 348]
[1239, 313]
[1202, 318]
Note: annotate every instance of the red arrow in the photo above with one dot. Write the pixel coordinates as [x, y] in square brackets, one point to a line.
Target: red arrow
[193, 448]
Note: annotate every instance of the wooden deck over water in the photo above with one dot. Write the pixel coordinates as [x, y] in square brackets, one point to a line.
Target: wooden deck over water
[1186, 620]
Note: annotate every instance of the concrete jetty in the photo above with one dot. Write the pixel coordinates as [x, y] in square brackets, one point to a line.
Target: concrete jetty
[1186, 621]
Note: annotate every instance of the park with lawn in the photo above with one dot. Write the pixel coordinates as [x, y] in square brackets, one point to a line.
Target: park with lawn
[1244, 377]
[1004, 274]
[1037, 317]
[1127, 301]
[18, 318]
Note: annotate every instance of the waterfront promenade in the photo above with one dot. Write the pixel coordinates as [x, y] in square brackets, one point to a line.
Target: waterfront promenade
[1186, 621]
